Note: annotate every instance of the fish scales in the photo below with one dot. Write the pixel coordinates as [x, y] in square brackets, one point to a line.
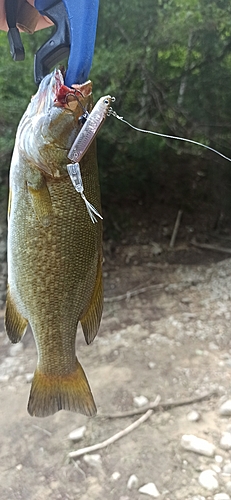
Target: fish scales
[54, 256]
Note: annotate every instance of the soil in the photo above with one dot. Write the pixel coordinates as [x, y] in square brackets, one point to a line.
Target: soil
[169, 336]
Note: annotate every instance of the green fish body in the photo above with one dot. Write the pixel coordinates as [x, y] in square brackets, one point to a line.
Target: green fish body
[54, 249]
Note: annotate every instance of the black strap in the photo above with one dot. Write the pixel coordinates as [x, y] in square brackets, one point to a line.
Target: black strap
[16, 46]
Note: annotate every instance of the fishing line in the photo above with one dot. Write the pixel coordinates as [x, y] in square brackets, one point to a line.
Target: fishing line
[166, 136]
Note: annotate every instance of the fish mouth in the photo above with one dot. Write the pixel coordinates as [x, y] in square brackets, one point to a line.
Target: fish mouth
[53, 93]
[71, 97]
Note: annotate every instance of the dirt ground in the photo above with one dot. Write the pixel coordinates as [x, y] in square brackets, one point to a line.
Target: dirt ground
[169, 336]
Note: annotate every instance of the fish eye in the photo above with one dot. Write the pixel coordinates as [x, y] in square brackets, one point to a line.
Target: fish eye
[106, 101]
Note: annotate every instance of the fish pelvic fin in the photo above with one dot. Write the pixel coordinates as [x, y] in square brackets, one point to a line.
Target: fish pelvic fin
[90, 321]
[15, 323]
[51, 393]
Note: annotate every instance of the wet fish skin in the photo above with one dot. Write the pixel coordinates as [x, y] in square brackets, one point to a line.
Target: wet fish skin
[54, 251]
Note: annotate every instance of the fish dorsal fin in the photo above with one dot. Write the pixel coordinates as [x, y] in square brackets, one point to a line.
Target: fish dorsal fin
[15, 323]
[90, 321]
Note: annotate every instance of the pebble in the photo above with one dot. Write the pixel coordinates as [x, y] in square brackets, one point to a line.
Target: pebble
[140, 401]
[219, 459]
[197, 445]
[15, 349]
[115, 476]
[221, 496]
[199, 497]
[77, 434]
[228, 486]
[193, 416]
[227, 469]
[93, 460]
[208, 480]
[132, 482]
[216, 468]
[225, 442]
[150, 489]
[225, 408]
[29, 377]
[151, 365]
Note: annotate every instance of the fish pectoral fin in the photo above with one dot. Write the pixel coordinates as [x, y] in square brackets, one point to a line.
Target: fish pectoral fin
[15, 323]
[41, 201]
[90, 321]
[51, 393]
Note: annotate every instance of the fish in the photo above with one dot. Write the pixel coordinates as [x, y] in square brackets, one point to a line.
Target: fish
[54, 250]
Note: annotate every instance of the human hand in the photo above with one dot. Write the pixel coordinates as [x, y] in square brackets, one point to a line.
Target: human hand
[32, 20]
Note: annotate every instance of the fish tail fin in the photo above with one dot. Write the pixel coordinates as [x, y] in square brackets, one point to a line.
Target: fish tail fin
[51, 393]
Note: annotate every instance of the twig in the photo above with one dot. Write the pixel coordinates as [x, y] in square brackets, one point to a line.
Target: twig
[175, 230]
[132, 293]
[48, 433]
[112, 439]
[158, 286]
[158, 406]
[210, 247]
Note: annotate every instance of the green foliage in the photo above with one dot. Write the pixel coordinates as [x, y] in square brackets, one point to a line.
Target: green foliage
[168, 63]
[16, 88]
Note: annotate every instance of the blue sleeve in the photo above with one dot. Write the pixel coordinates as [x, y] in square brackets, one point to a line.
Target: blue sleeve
[82, 15]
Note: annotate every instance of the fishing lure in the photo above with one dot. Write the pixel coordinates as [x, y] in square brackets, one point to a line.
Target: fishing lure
[91, 125]
[76, 179]
[90, 128]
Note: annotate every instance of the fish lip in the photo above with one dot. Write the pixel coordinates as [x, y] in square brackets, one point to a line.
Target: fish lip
[70, 97]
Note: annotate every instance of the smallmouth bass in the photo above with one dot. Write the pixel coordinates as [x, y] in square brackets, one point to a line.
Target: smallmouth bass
[54, 249]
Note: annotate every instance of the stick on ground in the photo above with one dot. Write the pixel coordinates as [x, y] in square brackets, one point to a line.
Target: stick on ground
[207, 246]
[157, 405]
[175, 230]
[112, 439]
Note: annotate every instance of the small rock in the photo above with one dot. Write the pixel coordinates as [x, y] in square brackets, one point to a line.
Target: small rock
[4, 378]
[29, 377]
[150, 489]
[140, 401]
[228, 486]
[225, 408]
[15, 349]
[93, 460]
[132, 482]
[151, 365]
[221, 496]
[193, 416]
[208, 479]
[77, 434]
[115, 476]
[225, 442]
[199, 497]
[197, 445]
[227, 469]
[156, 248]
[216, 468]
[219, 459]
[213, 346]
[19, 467]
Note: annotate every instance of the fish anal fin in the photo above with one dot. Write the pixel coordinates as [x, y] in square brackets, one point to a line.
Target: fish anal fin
[15, 323]
[90, 321]
[41, 200]
[51, 393]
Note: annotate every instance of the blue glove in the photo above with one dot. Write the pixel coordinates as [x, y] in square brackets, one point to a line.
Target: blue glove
[82, 15]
